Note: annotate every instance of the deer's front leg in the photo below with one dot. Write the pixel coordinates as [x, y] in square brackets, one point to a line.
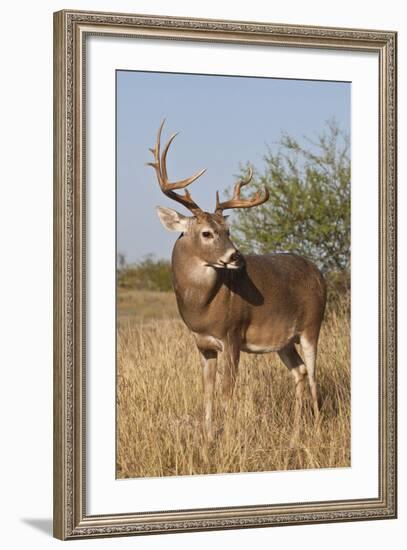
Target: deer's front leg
[209, 363]
[231, 357]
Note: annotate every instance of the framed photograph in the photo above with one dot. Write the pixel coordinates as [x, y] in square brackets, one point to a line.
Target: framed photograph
[225, 299]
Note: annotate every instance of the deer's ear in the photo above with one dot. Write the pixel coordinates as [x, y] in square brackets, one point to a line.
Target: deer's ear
[172, 220]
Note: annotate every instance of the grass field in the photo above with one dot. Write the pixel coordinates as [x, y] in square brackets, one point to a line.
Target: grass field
[159, 399]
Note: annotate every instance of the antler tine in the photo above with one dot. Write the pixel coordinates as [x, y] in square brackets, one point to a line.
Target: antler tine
[181, 184]
[168, 188]
[156, 152]
[236, 201]
[248, 178]
[164, 156]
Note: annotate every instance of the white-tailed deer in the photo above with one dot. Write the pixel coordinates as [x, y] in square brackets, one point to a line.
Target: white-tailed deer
[233, 303]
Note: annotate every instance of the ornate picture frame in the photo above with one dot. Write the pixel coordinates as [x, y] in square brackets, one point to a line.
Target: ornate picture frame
[71, 517]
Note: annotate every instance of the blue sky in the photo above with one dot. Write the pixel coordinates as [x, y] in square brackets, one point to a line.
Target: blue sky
[223, 122]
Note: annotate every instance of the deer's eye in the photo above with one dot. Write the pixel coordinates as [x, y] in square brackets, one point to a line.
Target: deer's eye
[206, 234]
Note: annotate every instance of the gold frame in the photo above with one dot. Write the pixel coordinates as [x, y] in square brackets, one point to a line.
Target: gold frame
[70, 31]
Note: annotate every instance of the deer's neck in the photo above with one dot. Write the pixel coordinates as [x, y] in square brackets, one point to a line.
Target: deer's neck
[196, 285]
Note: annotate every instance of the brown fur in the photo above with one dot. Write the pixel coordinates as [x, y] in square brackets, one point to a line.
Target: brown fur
[268, 304]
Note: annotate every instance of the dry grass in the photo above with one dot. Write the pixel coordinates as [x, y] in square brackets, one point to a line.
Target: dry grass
[159, 400]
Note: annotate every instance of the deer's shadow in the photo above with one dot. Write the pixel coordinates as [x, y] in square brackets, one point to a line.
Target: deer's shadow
[245, 288]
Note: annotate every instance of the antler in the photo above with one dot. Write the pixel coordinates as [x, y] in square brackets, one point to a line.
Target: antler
[160, 166]
[237, 201]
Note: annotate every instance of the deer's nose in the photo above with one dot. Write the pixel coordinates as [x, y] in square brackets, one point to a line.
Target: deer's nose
[235, 256]
[232, 255]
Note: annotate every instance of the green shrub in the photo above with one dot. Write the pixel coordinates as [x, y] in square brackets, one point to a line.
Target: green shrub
[309, 207]
[147, 274]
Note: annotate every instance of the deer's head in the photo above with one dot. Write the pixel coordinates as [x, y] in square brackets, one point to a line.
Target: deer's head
[207, 234]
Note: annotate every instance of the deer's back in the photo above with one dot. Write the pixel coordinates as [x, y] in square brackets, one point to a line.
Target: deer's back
[284, 276]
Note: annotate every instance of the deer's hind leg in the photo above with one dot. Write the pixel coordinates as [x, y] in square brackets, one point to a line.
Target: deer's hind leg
[309, 349]
[295, 364]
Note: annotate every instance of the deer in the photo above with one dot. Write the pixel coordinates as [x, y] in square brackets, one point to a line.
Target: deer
[233, 303]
